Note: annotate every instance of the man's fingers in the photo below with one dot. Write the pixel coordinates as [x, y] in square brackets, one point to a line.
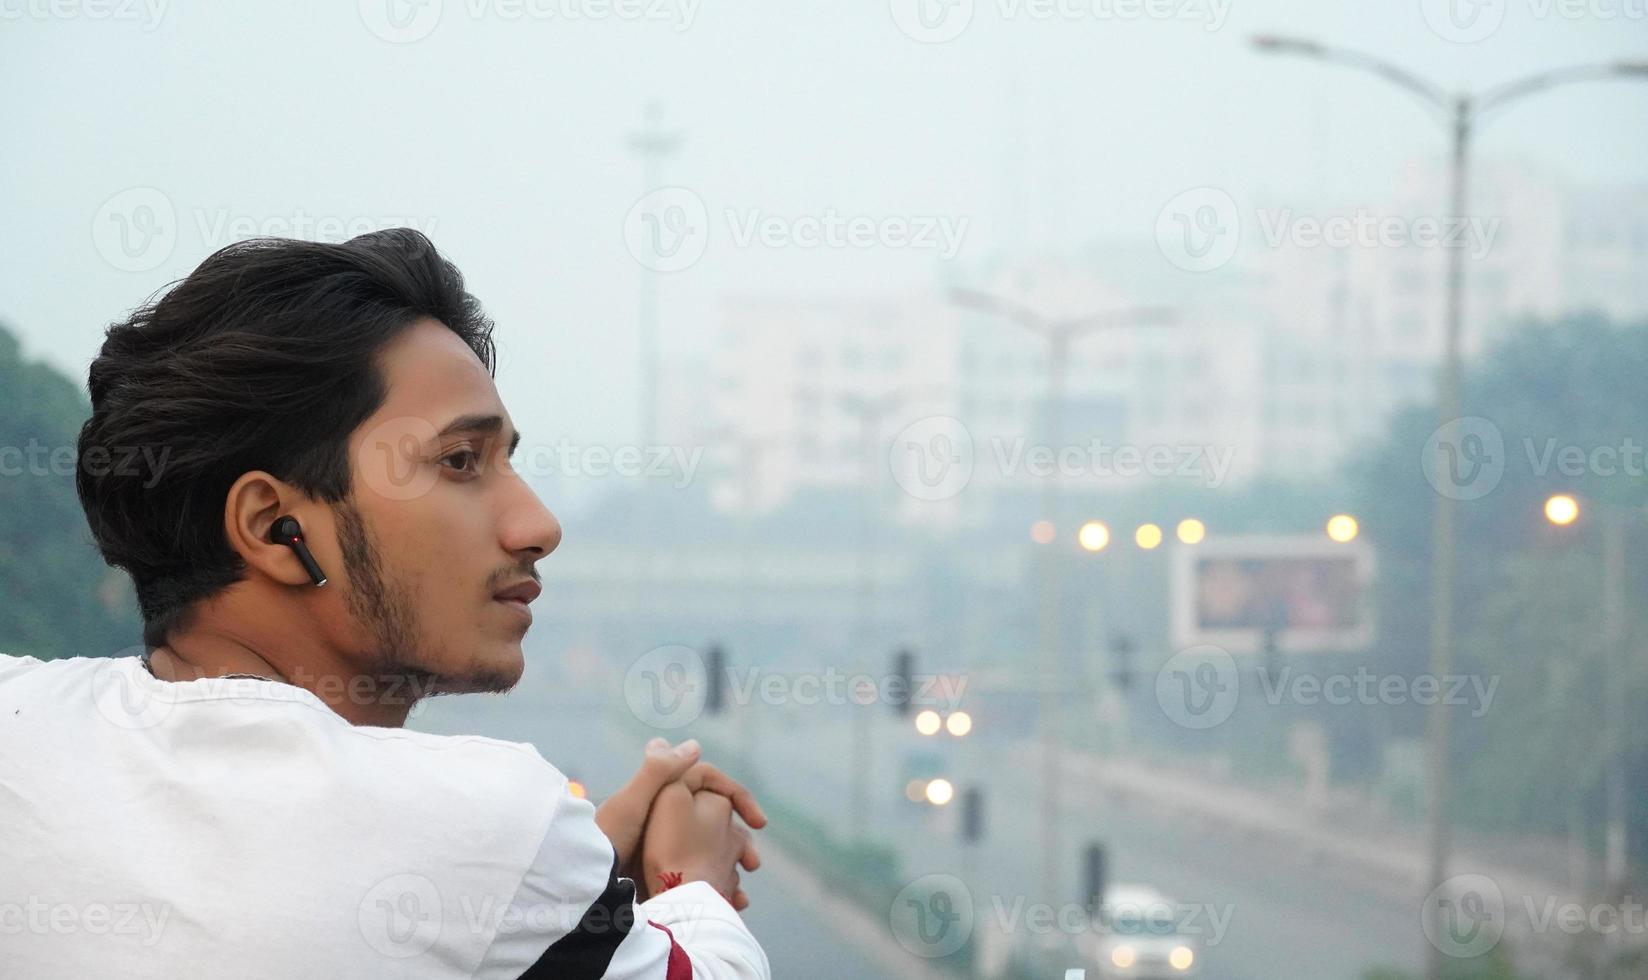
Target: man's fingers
[711, 806]
[664, 765]
[751, 858]
[740, 900]
[704, 776]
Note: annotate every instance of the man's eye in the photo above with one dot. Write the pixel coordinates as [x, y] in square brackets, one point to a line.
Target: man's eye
[464, 460]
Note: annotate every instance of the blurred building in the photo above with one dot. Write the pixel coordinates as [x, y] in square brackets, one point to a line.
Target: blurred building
[1286, 362]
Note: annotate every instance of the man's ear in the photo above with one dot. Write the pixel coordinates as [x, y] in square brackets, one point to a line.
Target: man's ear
[249, 513]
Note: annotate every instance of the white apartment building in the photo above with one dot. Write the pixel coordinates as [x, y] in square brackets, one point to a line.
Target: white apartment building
[1285, 362]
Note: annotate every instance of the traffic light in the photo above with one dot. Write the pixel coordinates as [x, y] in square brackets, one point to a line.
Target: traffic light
[972, 815]
[1121, 661]
[1093, 872]
[898, 691]
[715, 678]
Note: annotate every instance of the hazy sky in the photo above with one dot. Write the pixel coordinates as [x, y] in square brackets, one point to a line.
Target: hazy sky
[499, 128]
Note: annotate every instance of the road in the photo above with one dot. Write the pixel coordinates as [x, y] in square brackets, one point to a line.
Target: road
[1284, 915]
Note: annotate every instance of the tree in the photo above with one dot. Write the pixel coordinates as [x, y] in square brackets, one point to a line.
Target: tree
[59, 598]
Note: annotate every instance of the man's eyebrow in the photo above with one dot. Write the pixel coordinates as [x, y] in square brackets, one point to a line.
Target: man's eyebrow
[487, 424]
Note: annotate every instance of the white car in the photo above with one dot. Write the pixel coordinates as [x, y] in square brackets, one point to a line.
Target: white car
[1138, 936]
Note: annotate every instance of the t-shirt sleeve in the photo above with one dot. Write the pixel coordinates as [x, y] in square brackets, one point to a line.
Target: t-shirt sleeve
[574, 917]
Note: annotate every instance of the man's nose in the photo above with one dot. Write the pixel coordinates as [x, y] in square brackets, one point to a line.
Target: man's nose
[529, 529]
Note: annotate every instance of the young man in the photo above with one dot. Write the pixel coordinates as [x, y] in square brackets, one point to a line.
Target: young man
[323, 527]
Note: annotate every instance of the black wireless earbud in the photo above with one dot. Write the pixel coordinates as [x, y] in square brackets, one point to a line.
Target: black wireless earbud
[288, 532]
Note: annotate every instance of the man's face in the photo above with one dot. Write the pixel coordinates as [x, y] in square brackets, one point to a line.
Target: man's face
[440, 534]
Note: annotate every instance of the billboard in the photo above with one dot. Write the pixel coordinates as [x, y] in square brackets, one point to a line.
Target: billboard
[1307, 592]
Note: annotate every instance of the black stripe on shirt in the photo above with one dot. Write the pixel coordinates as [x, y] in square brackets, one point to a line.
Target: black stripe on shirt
[586, 951]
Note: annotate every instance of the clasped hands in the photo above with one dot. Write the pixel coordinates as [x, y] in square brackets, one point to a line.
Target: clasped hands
[674, 822]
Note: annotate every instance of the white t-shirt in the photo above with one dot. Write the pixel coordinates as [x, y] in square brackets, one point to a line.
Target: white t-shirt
[241, 828]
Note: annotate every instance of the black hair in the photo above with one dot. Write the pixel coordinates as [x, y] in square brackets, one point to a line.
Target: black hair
[264, 358]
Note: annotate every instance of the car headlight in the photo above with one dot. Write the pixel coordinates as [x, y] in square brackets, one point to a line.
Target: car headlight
[1181, 957]
[1123, 957]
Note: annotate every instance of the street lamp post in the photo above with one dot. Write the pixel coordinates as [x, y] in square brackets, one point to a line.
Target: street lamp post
[1463, 112]
[651, 144]
[871, 414]
[1614, 523]
[1059, 333]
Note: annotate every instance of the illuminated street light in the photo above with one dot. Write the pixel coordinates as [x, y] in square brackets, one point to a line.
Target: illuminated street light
[940, 792]
[1562, 510]
[1181, 958]
[959, 723]
[1464, 111]
[1192, 531]
[577, 789]
[1148, 536]
[1342, 528]
[1094, 535]
[928, 722]
[1042, 532]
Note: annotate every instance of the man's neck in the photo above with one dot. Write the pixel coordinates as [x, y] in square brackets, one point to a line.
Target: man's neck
[359, 699]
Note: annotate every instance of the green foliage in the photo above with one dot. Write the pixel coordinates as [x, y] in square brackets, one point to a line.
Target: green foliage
[1527, 594]
[59, 599]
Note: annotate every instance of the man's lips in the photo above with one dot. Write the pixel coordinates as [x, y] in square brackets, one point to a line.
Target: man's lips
[523, 593]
